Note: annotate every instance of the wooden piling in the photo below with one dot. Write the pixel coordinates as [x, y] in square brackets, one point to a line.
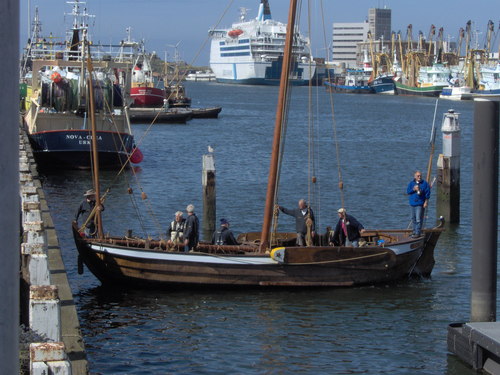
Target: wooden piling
[485, 211]
[209, 196]
[448, 171]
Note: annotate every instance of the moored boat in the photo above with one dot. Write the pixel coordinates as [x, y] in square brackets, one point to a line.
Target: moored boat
[262, 259]
[456, 93]
[382, 84]
[143, 90]
[58, 98]
[201, 76]
[160, 115]
[251, 51]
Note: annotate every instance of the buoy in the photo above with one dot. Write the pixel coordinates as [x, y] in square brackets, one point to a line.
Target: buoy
[136, 156]
[314, 179]
[144, 196]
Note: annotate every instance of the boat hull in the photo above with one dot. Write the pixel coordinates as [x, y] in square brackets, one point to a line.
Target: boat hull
[456, 93]
[495, 93]
[114, 262]
[160, 116]
[382, 85]
[431, 91]
[70, 149]
[365, 89]
[147, 96]
[260, 73]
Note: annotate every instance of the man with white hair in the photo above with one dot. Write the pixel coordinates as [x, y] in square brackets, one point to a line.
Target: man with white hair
[176, 229]
[192, 230]
[304, 218]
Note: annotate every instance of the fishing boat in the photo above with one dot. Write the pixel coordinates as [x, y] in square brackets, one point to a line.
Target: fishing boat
[251, 51]
[144, 90]
[58, 98]
[489, 84]
[263, 259]
[355, 81]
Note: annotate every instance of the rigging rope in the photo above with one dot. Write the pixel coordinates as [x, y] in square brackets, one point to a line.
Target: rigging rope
[334, 125]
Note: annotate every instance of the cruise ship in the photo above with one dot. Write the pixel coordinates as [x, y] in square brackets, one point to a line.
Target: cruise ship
[251, 51]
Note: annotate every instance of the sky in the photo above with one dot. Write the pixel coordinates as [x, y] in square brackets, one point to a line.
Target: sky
[165, 23]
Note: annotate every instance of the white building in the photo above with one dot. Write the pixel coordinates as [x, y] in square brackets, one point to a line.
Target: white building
[345, 39]
[347, 36]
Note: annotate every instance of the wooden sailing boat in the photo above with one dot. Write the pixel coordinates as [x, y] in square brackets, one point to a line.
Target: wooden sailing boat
[260, 261]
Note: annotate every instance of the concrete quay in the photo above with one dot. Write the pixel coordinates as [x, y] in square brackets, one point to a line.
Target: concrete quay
[47, 305]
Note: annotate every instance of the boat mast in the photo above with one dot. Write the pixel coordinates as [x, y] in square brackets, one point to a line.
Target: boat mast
[278, 125]
[95, 154]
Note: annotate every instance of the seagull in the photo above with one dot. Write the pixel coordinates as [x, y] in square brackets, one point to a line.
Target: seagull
[210, 149]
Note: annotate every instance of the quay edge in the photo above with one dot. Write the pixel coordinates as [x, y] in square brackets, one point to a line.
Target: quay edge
[65, 321]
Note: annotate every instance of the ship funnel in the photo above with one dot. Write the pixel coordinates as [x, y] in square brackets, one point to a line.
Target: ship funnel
[264, 11]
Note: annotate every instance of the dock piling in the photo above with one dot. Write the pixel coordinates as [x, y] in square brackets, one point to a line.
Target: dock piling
[485, 211]
[448, 170]
[209, 196]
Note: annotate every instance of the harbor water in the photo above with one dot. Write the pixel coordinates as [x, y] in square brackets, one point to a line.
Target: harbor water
[399, 328]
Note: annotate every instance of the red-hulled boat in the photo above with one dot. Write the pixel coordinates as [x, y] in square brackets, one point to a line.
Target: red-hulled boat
[143, 90]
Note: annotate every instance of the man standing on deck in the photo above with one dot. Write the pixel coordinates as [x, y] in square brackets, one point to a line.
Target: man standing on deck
[85, 210]
[347, 231]
[419, 192]
[304, 218]
[192, 231]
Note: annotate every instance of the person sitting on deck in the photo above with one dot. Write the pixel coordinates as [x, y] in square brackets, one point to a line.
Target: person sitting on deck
[304, 220]
[224, 236]
[175, 231]
[347, 231]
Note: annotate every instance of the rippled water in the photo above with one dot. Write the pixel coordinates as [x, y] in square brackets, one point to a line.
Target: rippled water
[399, 329]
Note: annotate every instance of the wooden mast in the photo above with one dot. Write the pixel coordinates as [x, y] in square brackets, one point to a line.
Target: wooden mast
[95, 154]
[280, 112]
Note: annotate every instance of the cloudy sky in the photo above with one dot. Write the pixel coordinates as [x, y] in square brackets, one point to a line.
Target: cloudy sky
[164, 23]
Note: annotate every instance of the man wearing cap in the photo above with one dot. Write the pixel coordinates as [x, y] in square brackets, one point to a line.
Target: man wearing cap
[304, 217]
[192, 231]
[347, 231]
[224, 236]
[85, 210]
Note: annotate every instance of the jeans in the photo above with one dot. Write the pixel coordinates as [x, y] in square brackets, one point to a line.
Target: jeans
[354, 243]
[417, 218]
[301, 239]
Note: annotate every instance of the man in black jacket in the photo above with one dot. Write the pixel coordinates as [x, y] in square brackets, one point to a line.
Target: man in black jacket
[192, 229]
[303, 216]
[348, 230]
[85, 210]
[224, 236]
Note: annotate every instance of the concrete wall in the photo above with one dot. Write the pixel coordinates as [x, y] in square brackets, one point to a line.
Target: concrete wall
[46, 299]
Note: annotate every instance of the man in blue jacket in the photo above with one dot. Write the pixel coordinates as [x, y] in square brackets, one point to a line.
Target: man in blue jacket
[419, 192]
